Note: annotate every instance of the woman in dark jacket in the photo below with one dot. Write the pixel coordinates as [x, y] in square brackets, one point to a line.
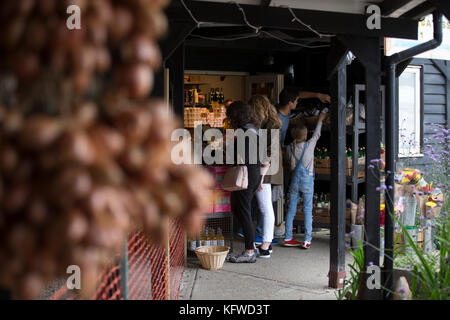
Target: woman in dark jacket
[242, 116]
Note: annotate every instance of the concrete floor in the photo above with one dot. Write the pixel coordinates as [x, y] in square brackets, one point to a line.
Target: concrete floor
[289, 274]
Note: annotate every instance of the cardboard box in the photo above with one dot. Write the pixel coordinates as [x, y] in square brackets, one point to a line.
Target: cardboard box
[323, 166]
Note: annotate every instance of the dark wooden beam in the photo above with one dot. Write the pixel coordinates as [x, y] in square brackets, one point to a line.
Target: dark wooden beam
[389, 6]
[281, 18]
[357, 44]
[265, 3]
[443, 6]
[367, 51]
[336, 57]
[373, 138]
[336, 273]
[256, 44]
[399, 68]
[178, 31]
[176, 80]
[420, 11]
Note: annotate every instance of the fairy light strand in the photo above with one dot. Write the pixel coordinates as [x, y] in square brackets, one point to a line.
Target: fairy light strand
[321, 35]
[257, 29]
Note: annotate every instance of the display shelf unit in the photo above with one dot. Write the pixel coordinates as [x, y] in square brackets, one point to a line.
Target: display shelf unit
[354, 131]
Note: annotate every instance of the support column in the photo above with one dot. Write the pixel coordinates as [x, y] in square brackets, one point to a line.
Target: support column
[176, 80]
[338, 176]
[389, 193]
[367, 50]
[373, 139]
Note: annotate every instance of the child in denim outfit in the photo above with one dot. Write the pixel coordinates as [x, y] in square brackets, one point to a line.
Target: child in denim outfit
[300, 154]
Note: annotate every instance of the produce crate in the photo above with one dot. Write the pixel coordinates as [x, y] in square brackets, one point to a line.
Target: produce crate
[321, 215]
[323, 166]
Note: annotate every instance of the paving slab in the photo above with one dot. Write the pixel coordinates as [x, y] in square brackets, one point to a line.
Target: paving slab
[289, 274]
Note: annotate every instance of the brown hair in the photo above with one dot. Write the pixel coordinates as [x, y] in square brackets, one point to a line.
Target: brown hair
[265, 111]
[299, 133]
[240, 114]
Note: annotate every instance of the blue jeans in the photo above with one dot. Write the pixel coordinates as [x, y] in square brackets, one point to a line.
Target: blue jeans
[301, 181]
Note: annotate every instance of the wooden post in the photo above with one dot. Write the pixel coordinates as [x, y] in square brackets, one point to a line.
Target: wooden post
[373, 138]
[367, 50]
[336, 273]
[176, 80]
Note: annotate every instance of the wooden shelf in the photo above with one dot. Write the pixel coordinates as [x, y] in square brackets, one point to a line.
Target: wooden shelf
[327, 177]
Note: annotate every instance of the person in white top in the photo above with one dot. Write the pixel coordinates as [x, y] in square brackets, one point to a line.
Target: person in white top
[300, 154]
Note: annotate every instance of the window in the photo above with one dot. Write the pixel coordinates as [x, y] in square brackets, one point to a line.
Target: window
[410, 112]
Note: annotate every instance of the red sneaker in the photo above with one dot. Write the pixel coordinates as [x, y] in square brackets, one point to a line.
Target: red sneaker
[291, 243]
[306, 245]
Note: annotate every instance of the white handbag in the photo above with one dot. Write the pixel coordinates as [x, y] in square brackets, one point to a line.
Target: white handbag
[235, 179]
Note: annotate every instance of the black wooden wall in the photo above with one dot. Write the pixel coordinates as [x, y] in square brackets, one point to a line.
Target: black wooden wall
[434, 105]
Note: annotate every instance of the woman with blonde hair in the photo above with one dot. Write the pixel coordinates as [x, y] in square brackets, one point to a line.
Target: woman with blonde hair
[267, 113]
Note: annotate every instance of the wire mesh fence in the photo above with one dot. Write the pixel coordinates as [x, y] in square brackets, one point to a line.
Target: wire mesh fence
[151, 272]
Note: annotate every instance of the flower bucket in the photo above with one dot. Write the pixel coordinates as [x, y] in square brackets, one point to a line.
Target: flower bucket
[408, 217]
[358, 235]
[413, 232]
[212, 257]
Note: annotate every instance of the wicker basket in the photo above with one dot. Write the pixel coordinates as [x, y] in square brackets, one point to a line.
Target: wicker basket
[212, 257]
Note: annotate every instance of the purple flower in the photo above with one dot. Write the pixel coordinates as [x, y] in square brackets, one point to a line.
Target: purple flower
[370, 166]
[360, 217]
[370, 263]
[421, 217]
[352, 232]
[388, 172]
[445, 213]
[347, 235]
[408, 266]
[390, 187]
[347, 245]
[401, 290]
[341, 268]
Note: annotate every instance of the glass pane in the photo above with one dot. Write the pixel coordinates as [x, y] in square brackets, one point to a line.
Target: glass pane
[408, 111]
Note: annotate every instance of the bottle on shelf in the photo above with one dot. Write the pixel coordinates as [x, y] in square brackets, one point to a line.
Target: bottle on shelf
[213, 238]
[220, 238]
[222, 97]
[195, 96]
[192, 244]
[203, 238]
[207, 241]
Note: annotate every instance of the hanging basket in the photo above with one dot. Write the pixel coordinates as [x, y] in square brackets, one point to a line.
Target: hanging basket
[212, 257]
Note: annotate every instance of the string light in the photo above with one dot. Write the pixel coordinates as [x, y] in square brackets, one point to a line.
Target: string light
[306, 25]
[245, 17]
[191, 14]
[258, 31]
